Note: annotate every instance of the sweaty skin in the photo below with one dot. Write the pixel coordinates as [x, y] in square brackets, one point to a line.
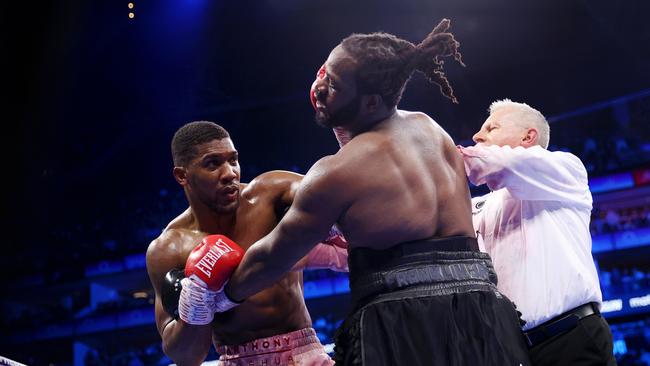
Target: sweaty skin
[278, 309]
[399, 180]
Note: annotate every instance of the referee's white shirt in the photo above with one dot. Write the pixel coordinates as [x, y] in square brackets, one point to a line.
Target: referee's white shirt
[535, 226]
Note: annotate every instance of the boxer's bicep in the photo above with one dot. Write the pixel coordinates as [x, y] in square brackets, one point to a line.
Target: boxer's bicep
[182, 343]
[159, 260]
[162, 318]
[292, 183]
[296, 228]
[315, 209]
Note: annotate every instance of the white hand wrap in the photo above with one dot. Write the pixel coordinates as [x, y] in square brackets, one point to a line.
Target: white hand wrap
[223, 303]
[196, 305]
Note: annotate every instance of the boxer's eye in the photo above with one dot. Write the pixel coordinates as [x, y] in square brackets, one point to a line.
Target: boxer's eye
[212, 164]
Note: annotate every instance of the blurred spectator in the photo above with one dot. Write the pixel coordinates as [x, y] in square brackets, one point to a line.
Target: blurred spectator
[616, 281]
[615, 220]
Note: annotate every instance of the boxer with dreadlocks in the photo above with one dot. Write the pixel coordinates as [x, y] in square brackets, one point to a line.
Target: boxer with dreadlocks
[423, 294]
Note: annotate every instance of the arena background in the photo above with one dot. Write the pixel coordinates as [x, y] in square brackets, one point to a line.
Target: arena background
[93, 96]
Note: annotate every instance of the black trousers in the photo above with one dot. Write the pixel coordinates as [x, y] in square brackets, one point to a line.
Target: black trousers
[588, 344]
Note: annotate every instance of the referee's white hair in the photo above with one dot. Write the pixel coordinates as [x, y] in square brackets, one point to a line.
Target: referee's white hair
[527, 116]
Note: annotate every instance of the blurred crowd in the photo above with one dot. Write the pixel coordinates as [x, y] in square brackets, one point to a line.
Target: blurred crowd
[607, 221]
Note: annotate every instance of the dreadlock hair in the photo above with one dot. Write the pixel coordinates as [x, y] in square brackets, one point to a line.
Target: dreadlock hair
[192, 134]
[385, 62]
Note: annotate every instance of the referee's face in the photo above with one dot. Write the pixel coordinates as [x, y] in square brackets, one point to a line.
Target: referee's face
[502, 128]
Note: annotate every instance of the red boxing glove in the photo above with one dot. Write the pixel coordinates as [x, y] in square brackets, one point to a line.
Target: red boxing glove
[213, 261]
[208, 268]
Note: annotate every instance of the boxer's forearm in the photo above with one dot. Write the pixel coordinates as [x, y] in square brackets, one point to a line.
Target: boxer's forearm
[186, 344]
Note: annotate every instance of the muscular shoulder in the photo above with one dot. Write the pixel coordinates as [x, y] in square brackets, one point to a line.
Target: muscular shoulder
[414, 115]
[332, 171]
[168, 249]
[275, 183]
[275, 179]
[433, 130]
[418, 117]
[171, 241]
[328, 185]
[277, 188]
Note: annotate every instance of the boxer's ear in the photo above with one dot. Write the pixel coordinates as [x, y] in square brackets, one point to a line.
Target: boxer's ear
[371, 103]
[180, 174]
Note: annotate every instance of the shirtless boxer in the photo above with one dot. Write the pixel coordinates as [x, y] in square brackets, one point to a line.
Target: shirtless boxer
[273, 327]
[423, 293]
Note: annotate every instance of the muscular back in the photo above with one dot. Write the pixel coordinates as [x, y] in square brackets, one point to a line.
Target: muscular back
[279, 308]
[407, 182]
[400, 181]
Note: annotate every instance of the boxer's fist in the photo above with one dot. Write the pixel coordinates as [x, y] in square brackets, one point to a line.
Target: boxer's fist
[213, 261]
[207, 269]
[171, 291]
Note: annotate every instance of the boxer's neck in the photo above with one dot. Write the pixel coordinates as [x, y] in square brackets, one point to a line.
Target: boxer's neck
[212, 222]
[342, 135]
[359, 127]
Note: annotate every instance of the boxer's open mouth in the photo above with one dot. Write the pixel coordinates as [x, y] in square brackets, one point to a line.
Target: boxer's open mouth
[230, 193]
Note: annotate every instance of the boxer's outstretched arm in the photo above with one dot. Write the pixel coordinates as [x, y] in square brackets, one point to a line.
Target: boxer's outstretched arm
[331, 252]
[185, 344]
[318, 203]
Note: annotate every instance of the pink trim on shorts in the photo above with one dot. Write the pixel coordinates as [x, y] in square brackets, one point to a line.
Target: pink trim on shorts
[282, 349]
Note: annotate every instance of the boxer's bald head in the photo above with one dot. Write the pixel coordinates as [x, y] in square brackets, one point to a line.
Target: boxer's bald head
[189, 136]
[385, 62]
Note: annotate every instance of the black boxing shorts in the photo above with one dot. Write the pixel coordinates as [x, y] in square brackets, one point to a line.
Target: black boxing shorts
[430, 302]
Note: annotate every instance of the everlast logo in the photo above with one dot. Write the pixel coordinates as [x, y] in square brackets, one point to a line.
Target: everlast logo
[206, 263]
